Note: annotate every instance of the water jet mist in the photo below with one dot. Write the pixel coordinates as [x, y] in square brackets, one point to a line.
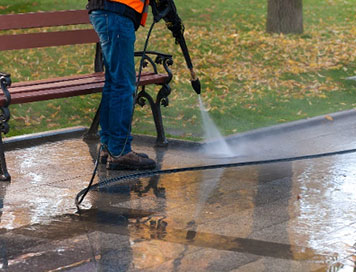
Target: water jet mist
[215, 144]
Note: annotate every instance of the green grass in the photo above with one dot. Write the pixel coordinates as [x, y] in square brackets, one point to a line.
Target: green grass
[21, 6]
[250, 79]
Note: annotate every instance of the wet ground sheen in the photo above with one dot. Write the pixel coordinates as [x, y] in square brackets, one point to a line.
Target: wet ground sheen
[288, 216]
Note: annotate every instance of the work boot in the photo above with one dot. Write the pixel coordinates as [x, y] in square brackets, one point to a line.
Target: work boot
[130, 161]
[105, 154]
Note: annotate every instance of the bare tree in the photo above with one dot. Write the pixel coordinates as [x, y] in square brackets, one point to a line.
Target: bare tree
[285, 16]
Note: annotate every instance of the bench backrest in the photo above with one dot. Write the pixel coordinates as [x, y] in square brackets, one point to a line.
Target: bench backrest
[45, 39]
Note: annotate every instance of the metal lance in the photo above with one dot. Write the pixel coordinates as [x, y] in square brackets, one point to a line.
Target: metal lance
[194, 79]
[167, 10]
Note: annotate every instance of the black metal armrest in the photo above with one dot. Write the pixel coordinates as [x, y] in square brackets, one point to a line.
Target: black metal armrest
[5, 81]
[5, 78]
[162, 55]
[4, 74]
[165, 59]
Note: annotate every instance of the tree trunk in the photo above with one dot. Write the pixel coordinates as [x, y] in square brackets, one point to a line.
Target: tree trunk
[285, 16]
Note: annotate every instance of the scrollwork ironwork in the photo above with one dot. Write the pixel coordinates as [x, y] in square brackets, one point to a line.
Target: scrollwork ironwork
[5, 82]
[162, 96]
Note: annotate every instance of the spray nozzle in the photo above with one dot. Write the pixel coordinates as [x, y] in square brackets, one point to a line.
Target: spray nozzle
[195, 81]
[196, 85]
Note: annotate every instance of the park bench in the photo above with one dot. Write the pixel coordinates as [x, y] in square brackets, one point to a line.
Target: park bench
[73, 85]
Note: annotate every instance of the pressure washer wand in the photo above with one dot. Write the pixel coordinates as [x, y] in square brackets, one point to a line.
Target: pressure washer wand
[167, 10]
[194, 79]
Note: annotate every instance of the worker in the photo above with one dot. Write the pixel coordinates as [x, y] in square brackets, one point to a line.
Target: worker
[115, 22]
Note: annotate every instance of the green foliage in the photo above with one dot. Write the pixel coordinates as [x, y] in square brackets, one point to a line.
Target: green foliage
[22, 6]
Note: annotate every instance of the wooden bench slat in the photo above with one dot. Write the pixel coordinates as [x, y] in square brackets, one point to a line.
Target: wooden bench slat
[47, 91]
[65, 78]
[56, 84]
[55, 79]
[43, 19]
[152, 79]
[46, 39]
[71, 81]
[55, 93]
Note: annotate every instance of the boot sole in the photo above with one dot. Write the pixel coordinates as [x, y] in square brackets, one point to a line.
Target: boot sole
[104, 160]
[112, 166]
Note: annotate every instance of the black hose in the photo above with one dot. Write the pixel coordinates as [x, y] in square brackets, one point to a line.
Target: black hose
[147, 174]
[84, 192]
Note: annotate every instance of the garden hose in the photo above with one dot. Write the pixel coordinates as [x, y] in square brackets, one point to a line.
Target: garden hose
[106, 182]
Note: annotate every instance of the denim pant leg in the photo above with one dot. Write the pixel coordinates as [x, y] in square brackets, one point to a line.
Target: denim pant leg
[117, 38]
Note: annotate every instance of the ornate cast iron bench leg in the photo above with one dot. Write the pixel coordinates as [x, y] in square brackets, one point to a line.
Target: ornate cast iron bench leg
[5, 82]
[162, 96]
[162, 99]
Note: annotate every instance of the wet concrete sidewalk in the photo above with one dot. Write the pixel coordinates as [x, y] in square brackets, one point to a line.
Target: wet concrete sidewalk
[288, 216]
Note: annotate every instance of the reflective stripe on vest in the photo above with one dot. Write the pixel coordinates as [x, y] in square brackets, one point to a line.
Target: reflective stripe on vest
[145, 13]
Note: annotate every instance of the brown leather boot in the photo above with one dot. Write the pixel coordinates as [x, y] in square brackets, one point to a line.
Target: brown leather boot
[130, 161]
[105, 154]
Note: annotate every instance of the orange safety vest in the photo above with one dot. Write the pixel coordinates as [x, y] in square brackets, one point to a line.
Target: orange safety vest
[141, 6]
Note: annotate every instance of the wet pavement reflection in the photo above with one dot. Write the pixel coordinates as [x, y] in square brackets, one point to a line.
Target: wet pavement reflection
[290, 216]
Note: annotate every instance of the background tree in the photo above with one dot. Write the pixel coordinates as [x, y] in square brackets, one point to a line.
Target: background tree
[285, 16]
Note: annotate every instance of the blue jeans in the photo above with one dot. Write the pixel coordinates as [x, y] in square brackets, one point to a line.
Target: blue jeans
[117, 39]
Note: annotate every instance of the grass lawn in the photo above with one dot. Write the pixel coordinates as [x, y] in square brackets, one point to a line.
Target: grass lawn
[250, 79]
